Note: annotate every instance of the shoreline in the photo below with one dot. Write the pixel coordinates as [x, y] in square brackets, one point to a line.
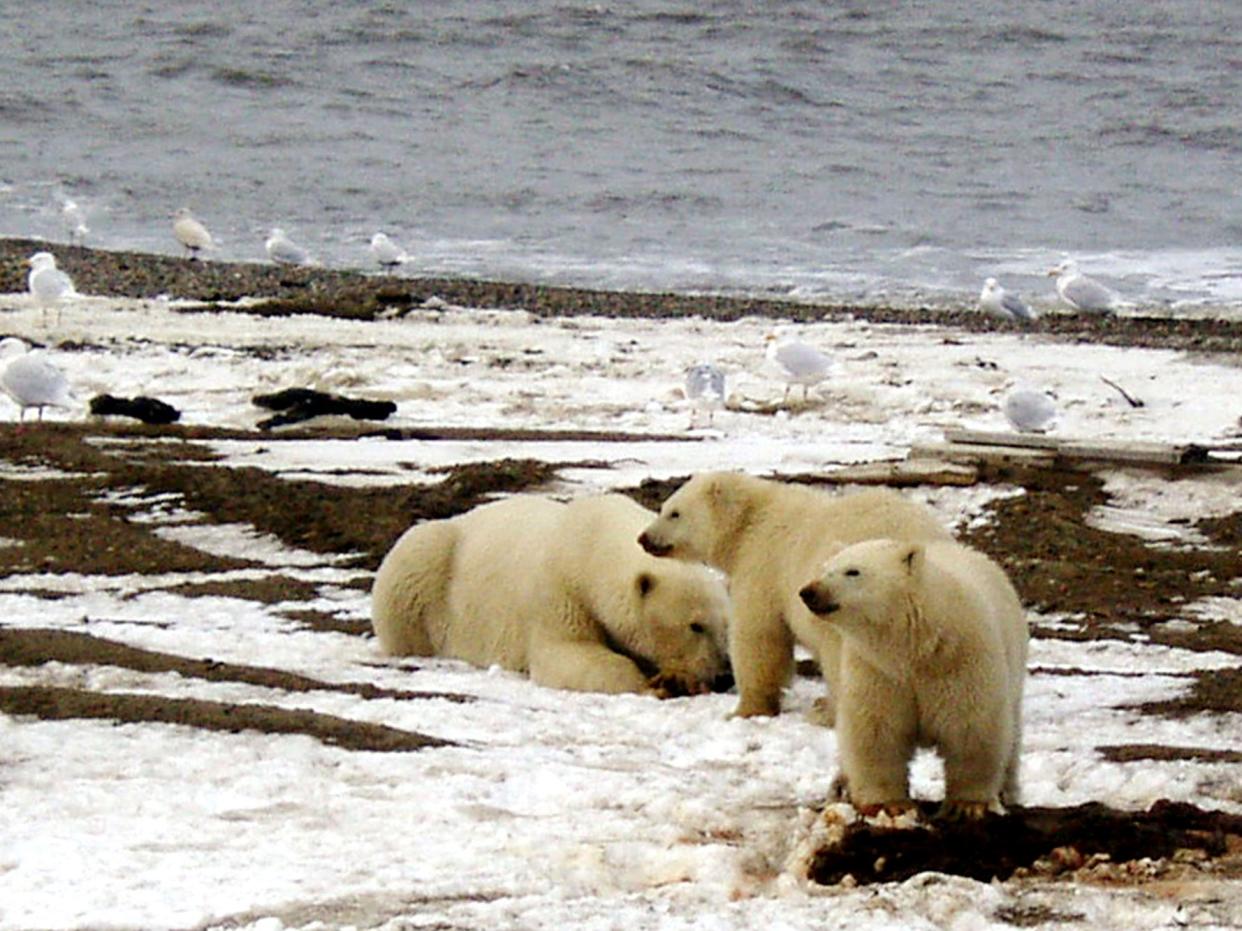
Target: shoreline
[283, 290]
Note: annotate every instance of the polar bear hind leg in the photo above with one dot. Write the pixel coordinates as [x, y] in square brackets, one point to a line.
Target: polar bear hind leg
[408, 598]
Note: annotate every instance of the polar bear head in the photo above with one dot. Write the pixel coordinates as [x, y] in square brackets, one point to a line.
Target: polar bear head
[864, 584]
[682, 612]
[696, 518]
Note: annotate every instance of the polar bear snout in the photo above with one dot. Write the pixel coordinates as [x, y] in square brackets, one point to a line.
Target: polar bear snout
[652, 545]
[818, 598]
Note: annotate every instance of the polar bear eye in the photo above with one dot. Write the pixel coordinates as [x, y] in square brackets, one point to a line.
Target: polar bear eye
[697, 628]
[852, 572]
[673, 515]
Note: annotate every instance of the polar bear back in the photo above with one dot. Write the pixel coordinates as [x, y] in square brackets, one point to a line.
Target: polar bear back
[499, 580]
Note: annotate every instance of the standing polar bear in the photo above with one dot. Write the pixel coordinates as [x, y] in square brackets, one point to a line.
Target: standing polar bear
[559, 591]
[934, 654]
[770, 537]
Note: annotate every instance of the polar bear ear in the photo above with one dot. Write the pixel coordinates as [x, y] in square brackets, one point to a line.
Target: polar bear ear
[912, 558]
[645, 583]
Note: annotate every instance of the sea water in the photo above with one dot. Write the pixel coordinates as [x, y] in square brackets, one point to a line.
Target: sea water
[870, 150]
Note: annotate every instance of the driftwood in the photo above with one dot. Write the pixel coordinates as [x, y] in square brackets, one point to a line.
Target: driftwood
[1041, 449]
[896, 474]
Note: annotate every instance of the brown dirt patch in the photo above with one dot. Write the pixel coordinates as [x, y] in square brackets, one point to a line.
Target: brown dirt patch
[1085, 842]
[57, 704]
[27, 647]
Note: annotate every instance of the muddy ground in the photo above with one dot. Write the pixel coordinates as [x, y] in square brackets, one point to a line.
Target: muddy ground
[1110, 585]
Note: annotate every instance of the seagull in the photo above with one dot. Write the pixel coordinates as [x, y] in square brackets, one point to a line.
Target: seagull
[190, 233]
[49, 286]
[996, 301]
[705, 386]
[280, 248]
[75, 220]
[799, 363]
[1081, 292]
[387, 254]
[1029, 410]
[30, 380]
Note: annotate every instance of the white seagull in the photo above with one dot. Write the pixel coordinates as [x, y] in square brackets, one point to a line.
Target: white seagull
[74, 220]
[387, 254]
[280, 248]
[1028, 409]
[30, 380]
[190, 233]
[1081, 292]
[48, 285]
[996, 301]
[705, 388]
[799, 363]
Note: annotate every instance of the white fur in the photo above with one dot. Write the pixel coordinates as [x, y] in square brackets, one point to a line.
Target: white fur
[770, 537]
[934, 646]
[562, 592]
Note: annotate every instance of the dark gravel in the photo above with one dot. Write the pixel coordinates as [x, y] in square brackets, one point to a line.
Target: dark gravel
[352, 294]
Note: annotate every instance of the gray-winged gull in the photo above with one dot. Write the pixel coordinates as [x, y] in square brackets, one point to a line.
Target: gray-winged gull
[1028, 409]
[705, 388]
[30, 380]
[387, 254]
[1081, 292]
[280, 248]
[190, 233]
[998, 302]
[799, 363]
[48, 285]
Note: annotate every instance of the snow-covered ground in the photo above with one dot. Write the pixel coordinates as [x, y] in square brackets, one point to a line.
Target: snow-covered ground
[554, 810]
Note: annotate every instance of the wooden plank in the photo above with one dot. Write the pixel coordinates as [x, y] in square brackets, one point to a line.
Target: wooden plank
[904, 472]
[1071, 448]
[967, 453]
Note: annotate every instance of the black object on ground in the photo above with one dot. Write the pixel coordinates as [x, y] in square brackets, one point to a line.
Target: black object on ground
[148, 410]
[298, 404]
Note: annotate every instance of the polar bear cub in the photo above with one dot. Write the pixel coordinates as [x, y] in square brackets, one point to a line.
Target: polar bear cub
[769, 537]
[934, 646]
[559, 591]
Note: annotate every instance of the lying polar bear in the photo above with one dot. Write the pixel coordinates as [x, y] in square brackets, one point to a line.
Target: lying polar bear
[559, 591]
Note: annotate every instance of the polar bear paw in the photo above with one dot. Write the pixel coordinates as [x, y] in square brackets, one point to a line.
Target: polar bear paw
[664, 685]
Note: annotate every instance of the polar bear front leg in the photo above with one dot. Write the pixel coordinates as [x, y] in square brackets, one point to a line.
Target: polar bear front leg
[584, 666]
[974, 769]
[761, 654]
[876, 731]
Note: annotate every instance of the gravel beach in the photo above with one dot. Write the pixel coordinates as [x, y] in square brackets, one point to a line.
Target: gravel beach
[284, 289]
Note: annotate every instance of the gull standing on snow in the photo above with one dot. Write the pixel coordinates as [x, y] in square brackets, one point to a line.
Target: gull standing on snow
[30, 380]
[996, 301]
[799, 363]
[280, 248]
[49, 286]
[387, 254]
[1029, 410]
[1081, 292]
[74, 220]
[705, 388]
[190, 233]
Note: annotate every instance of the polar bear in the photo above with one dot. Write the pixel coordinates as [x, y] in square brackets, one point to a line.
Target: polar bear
[559, 591]
[934, 646]
[769, 537]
